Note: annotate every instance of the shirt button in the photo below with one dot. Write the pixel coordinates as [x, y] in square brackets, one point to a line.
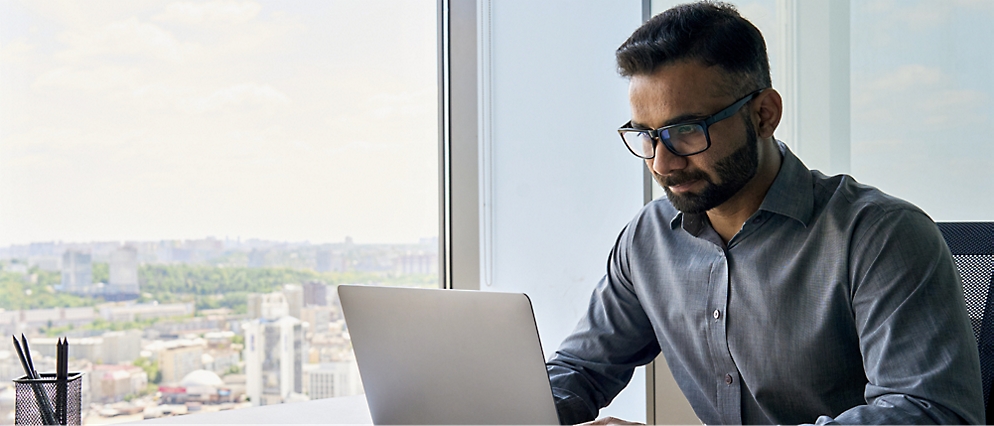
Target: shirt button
[716, 314]
[728, 379]
[757, 220]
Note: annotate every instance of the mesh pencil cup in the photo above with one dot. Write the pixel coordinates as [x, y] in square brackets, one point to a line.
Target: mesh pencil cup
[29, 409]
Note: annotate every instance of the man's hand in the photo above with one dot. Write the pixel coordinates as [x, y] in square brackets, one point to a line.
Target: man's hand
[611, 421]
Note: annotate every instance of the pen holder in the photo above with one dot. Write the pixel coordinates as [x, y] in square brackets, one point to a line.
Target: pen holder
[28, 409]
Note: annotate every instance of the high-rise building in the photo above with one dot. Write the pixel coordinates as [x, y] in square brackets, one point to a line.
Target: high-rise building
[315, 293]
[274, 357]
[294, 294]
[77, 271]
[123, 280]
[254, 305]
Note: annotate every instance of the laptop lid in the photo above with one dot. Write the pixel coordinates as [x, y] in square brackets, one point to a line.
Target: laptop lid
[431, 356]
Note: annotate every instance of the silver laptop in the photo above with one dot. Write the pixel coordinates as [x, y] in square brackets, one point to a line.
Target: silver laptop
[429, 356]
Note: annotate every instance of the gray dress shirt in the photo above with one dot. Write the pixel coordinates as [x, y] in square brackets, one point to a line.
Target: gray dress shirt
[834, 303]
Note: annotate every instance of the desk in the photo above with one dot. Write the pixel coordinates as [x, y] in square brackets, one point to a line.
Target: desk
[344, 410]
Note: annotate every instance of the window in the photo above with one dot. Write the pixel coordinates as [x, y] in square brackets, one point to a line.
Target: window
[177, 170]
[923, 104]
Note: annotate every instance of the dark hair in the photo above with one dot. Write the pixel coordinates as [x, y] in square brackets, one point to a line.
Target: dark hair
[711, 33]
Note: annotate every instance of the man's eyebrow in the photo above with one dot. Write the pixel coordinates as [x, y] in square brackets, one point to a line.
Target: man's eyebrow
[675, 120]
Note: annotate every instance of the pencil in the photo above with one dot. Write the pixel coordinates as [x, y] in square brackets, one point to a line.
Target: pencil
[60, 382]
[44, 404]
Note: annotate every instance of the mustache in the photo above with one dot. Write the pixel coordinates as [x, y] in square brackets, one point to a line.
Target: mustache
[681, 178]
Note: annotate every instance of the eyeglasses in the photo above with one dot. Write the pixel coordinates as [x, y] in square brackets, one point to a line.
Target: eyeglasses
[682, 139]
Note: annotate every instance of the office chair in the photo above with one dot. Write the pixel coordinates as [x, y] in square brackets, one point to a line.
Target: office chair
[972, 245]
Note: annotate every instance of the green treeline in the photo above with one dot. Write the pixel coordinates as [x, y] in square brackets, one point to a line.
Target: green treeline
[207, 286]
[36, 290]
[204, 280]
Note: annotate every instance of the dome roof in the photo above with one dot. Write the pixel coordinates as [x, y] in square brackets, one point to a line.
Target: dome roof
[201, 378]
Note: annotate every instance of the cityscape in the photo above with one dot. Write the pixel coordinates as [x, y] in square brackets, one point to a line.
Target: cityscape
[162, 328]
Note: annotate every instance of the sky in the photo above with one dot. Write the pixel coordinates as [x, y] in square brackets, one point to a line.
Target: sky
[317, 120]
[922, 93]
[148, 120]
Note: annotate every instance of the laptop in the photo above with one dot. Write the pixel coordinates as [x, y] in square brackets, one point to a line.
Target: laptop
[431, 356]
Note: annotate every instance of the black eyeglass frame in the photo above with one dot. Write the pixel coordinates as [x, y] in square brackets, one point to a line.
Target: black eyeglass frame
[704, 123]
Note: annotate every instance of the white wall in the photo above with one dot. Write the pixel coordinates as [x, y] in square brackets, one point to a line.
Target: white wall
[557, 185]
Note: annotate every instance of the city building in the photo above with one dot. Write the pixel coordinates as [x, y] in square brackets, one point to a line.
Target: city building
[416, 263]
[333, 379]
[330, 261]
[254, 305]
[294, 294]
[77, 272]
[113, 347]
[257, 258]
[112, 383]
[315, 293]
[319, 317]
[122, 283]
[219, 339]
[177, 358]
[220, 361]
[121, 346]
[143, 311]
[274, 353]
[201, 386]
[14, 322]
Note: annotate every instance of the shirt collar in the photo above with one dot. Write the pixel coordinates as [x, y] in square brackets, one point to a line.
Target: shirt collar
[790, 194]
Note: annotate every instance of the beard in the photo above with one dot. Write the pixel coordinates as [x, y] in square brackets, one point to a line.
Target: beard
[734, 172]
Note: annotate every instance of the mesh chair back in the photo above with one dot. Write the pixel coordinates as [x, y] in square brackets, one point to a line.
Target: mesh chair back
[972, 245]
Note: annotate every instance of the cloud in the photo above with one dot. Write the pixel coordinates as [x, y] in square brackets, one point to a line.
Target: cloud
[954, 107]
[908, 77]
[95, 79]
[129, 37]
[915, 97]
[185, 98]
[252, 95]
[15, 51]
[921, 14]
[214, 11]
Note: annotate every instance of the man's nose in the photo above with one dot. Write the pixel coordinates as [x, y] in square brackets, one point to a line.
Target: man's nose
[665, 162]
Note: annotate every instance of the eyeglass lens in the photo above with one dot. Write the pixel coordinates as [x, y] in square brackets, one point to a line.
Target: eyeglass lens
[682, 139]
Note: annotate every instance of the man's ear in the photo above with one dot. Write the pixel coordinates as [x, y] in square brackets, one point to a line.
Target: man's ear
[767, 112]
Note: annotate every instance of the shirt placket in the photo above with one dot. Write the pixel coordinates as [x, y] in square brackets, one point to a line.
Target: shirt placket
[726, 375]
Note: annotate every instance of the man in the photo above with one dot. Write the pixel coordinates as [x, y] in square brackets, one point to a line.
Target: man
[776, 294]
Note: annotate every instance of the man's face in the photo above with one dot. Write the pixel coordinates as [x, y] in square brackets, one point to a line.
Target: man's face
[687, 91]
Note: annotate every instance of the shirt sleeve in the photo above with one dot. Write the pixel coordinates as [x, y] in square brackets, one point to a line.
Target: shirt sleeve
[597, 360]
[919, 351]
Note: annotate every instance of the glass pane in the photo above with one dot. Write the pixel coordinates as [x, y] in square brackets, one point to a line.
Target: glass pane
[923, 103]
[173, 172]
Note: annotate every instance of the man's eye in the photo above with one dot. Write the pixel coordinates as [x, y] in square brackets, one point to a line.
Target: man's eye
[685, 130]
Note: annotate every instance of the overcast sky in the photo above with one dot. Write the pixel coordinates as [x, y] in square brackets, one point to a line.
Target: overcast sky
[303, 120]
[316, 120]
